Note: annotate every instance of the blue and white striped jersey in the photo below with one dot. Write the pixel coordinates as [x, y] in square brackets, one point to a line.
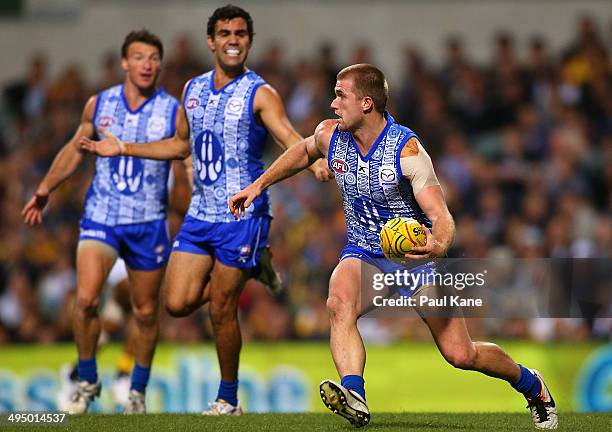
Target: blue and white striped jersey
[226, 145]
[373, 187]
[129, 190]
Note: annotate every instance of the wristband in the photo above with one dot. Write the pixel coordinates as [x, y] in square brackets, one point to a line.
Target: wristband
[121, 146]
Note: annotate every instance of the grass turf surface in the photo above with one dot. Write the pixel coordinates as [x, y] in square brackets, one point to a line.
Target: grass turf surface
[327, 422]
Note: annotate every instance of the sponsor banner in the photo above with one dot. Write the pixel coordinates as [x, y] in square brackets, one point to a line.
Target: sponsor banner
[284, 377]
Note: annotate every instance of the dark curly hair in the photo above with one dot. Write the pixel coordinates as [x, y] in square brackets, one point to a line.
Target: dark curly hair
[229, 12]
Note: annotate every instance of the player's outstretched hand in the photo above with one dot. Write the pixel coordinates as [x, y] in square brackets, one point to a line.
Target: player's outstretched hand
[33, 210]
[321, 171]
[242, 200]
[109, 146]
[430, 250]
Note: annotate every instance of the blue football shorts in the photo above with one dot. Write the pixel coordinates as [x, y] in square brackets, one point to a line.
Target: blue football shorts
[235, 244]
[143, 246]
[423, 272]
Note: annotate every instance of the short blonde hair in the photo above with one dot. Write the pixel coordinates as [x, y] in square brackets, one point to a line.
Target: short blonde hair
[368, 81]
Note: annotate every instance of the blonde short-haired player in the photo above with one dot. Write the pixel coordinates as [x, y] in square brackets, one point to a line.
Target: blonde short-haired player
[383, 171]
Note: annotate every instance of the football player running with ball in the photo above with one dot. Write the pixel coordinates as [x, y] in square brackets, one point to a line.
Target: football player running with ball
[383, 172]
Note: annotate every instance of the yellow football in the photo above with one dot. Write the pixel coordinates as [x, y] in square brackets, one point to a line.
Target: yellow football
[399, 235]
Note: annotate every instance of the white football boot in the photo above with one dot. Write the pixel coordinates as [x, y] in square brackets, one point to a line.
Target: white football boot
[120, 389]
[68, 384]
[223, 408]
[135, 403]
[543, 409]
[82, 396]
[345, 403]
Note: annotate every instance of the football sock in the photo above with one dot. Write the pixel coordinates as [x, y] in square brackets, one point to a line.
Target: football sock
[228, 391]
[125, 363]
[74, 373]
[528, 384]
[140, 378]
[355, 383]
[88, 371]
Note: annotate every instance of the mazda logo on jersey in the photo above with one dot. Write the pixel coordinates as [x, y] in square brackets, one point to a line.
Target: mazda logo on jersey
[192, 103]
[235, 105]
[387, 175]
[339, 166]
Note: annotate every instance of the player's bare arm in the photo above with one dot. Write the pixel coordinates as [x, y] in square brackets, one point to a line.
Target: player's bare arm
[418, 168]
[268, 105]
[296, 158]
[63, 166]
[188, 165]
[176, 147]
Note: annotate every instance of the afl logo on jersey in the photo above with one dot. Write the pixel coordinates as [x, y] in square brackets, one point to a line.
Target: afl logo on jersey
[339, 166]
[192, 103]
[106, 121]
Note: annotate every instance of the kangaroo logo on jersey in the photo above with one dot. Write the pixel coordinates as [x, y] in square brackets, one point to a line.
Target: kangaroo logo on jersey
[339, 166]
[209, 157]
[126, 173]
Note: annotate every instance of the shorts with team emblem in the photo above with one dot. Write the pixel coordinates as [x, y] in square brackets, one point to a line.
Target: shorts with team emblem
[143, 246]
[423, 270]
[235, 243]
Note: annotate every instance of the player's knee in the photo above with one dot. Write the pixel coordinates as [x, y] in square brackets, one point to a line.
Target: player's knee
[340, 308]
[176, 308]
[87, 304]
[222, 311]
[145, 314]
[462, 358]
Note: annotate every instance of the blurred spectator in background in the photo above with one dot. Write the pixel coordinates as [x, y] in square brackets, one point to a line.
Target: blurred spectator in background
[27, 97]
[182, 64]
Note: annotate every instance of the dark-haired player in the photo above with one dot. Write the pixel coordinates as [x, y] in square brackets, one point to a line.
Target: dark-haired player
[223, 123]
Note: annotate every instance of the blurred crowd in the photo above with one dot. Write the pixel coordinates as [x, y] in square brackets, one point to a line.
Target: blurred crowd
[522, 146]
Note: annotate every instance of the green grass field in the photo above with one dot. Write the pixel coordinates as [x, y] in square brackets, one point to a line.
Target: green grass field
[327, 422]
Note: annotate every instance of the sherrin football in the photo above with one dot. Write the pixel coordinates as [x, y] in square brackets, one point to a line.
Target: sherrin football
[399, 235]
